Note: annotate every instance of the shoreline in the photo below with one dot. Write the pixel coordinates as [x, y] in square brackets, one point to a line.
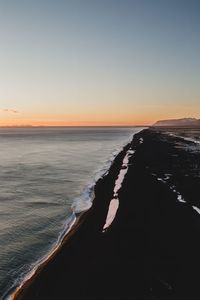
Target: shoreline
[90, 189]
[151, 249]
[73, 228]
[34, 273]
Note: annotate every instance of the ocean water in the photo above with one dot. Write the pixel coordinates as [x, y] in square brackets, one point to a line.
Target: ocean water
[45, 175]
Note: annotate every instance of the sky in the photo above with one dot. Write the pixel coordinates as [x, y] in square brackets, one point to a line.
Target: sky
[91, 62]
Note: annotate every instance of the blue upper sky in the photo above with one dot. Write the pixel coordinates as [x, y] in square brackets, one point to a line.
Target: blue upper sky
[98, 62]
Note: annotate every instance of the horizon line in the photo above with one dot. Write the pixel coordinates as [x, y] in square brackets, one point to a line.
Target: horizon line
[60, 126]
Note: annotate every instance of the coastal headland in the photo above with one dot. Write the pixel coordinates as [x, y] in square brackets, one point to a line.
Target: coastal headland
[151, 249]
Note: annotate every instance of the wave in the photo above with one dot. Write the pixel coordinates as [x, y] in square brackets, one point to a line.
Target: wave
[19, 282]
[84, 201]
[79, 205]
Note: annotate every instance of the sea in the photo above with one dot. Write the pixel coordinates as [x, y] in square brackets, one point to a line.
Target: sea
[47, 175]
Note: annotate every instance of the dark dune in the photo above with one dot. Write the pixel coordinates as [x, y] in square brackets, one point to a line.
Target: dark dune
[152, 248]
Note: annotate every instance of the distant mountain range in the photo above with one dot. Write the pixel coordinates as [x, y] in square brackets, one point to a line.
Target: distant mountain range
[185, 122]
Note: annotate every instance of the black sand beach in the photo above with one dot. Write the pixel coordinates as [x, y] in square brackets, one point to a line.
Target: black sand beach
[152, 248]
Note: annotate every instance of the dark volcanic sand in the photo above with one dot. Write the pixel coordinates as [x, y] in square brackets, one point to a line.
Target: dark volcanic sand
[152, 249]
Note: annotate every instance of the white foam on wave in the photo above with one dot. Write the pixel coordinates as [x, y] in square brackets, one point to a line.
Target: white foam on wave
[80, 204]
[84, 201]
[34, 267]
[114, 203]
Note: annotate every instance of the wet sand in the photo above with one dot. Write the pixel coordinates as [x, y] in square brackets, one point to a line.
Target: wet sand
[152, 248]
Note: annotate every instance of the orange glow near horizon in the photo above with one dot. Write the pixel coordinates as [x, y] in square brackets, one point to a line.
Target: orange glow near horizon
[72, 120]
[23, 123]
[12, 118]
[95, 65]
[112, 121]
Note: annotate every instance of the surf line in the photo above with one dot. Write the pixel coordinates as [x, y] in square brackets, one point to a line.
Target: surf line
[17, 286]
[114, 203]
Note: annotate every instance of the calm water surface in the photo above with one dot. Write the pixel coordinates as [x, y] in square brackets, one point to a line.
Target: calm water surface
[43, 171]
